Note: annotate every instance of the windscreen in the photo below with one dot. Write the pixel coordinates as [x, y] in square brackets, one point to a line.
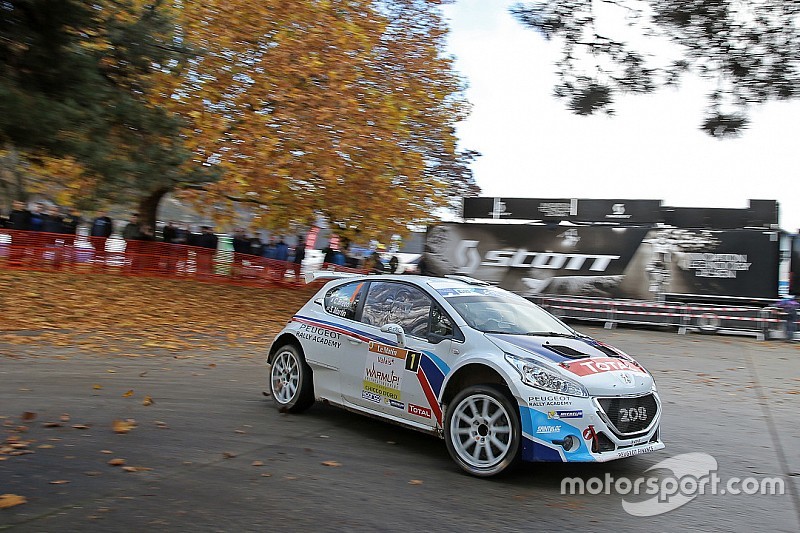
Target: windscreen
[511, 314]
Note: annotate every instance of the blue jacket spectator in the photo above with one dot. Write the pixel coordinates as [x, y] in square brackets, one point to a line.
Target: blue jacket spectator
[281, 251]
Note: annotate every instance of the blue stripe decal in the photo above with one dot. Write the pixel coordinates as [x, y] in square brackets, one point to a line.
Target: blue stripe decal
[443, 367]
[433, 373]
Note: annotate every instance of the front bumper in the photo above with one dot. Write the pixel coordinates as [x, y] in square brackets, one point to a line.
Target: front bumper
[568, 429]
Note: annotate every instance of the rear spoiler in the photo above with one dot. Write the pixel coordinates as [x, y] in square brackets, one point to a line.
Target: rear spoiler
[311, 277]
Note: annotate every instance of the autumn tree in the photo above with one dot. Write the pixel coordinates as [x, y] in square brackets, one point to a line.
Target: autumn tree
[74, 112]
[343, 109]
[750, 51]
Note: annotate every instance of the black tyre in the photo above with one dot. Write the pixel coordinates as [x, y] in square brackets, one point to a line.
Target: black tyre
[483, 431]
[290, 381]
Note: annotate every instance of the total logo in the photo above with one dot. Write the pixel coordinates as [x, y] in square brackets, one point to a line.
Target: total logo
[419, 411]
[548, 429]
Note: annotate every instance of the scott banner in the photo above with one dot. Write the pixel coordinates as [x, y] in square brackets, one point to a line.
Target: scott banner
[601, 261]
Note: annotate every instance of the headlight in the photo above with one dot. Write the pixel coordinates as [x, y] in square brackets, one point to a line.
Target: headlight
[538, 376]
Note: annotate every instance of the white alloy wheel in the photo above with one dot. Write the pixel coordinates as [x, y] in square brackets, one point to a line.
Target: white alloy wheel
[483, 431]
[290, 380]
[285, 377]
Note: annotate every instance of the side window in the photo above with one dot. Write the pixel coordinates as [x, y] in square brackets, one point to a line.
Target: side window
[343, 300]
[398, 303]
[440, 323]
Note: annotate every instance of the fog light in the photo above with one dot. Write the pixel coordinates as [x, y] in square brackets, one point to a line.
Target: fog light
[568, 443]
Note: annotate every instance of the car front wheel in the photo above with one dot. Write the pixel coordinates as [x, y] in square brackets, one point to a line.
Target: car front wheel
[290, 383]
[482, 430]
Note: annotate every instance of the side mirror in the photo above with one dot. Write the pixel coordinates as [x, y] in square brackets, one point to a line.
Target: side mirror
[397, 330]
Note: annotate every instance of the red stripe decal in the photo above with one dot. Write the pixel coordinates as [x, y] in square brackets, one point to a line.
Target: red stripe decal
[426, 388]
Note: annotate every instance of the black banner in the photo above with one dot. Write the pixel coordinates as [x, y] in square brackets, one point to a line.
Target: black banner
[759, 214]
[602, 261]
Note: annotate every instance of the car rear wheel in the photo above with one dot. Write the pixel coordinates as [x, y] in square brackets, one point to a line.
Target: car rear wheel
[290, 383]
[482, 430]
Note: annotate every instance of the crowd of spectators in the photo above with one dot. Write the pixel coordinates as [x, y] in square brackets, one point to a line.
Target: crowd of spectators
[279, 258]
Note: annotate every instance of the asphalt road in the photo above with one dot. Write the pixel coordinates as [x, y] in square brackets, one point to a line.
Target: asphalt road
[212, 454]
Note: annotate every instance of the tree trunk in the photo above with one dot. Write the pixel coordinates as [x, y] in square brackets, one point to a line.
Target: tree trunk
[148, 207]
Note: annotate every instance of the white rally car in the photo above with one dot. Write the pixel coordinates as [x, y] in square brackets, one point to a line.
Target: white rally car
[496, 376]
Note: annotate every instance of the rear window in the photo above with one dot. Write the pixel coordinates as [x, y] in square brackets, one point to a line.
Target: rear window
[343, 300]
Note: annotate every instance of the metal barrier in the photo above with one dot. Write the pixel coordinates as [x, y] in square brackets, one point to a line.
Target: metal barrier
[763, 323]
[27, 250]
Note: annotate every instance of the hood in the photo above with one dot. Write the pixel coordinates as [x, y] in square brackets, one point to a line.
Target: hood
[602, 369]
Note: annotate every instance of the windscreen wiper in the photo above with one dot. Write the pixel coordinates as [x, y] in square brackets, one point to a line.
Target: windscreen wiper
[551, 334]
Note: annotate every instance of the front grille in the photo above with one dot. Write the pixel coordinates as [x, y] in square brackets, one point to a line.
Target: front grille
[629, 416]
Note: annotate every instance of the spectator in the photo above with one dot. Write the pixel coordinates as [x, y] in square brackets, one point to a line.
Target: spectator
[132, 235]
[101, 230]
[282, 258]
[241, 248]
[394, 262]
[37, 218]
[71, 222]
[241, 242]
[207, 244]
[789, 305]
[299, 255]
[19, 218]
[133, 229]
[52, 221]
[169, 232]
[256, 246]
[270, 250]
[374, 263]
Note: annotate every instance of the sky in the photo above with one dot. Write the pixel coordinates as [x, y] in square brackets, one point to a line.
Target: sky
[652, 148]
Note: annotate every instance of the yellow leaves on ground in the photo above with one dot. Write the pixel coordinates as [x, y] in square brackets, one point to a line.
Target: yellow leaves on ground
[11, 500]
[94, 312]
[331, 463]
[123, 426]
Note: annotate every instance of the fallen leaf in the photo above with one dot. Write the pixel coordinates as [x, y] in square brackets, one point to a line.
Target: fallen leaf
[93, 473]
[148, 401]
[65, 417]
[59, 482]
[116, 462]
[97, 386]
[415, 482]
[45, 446]
[28, 416]
[122, 426]
[128, 394]
[80, 426]
[11, 500]
[331, 463]
[106, 451]
[257, 463]
[228, 455]
[135, 468]
[52, 425]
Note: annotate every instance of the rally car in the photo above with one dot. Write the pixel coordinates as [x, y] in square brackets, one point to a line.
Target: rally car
[499, 378]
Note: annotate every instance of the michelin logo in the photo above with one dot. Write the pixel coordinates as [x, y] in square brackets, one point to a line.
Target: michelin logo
[558, 415]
